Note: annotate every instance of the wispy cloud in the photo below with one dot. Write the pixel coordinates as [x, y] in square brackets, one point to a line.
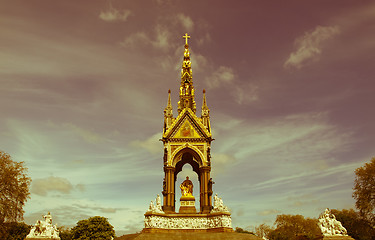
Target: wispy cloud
[151, 144]
[113, 15]
[246, 93]
[223, 75]
[309, 46]
[139, 39]
[44, 185]
[162, 37]
[185, 21]
[268, 212]
[221, 161]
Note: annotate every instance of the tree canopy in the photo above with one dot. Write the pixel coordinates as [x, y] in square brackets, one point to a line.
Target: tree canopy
[14, 190]
[93, 228]
[295, 227]
[364, 190]
[357, 227]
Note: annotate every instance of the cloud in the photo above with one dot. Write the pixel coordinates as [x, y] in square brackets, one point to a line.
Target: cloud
[43, 185]
[206, 38]
[161, 42]
[135, 38]
[185, 21]
[88, 136]
[114, 15]
[220, 162]
[309, 46]
[268, 212]
[223, 75]
[306, 199]
[246, 93]
[162, 37]
[151, 144]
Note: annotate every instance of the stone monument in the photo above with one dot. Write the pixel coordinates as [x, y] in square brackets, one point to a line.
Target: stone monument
[44, 230]
[187, 140]
[331, 227]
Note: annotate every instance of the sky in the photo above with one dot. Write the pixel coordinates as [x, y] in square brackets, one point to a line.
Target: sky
[290, 87]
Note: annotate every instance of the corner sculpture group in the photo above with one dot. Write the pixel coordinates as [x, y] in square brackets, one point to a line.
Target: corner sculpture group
[44, 229]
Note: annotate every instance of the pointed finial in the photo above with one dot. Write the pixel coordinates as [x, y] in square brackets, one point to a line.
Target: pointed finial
[204, 105]
[186, 36]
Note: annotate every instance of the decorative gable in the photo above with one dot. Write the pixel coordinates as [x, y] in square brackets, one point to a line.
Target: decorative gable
[187, 125]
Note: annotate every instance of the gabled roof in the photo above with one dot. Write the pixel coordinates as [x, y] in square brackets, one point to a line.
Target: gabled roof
[187, 126]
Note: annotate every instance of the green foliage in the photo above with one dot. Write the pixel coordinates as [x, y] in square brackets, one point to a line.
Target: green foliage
[240, 230]
[14, 191]
[295, 227]
[16, 231]
[65, 233]
[263, 230]
[93, 228]
[357, 227]
[364, 190]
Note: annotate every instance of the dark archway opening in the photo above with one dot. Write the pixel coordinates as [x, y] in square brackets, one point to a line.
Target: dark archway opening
[187, 166]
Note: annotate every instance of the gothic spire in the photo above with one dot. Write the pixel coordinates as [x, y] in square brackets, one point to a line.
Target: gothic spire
[186, 88]
[168, 112]
[205, 110]
[205, 113]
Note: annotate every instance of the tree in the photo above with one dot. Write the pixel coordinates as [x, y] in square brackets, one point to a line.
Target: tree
[364, 190]
[17, 231]
[263, 230]
[65, 233]
[93, 228]
[295, 227]
[241, 230]
[357, 227]
[14, 190]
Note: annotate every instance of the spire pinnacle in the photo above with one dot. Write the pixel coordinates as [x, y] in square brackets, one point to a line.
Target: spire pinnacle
[169, 104]
[186, 36]
[205, 109]
[186, 88]
[205, 113]
[168, 111]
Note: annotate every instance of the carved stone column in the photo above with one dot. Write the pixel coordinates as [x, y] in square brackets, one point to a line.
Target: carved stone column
[169, 193]
[205, 177]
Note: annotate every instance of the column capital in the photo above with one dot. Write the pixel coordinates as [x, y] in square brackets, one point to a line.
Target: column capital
[205, 168]
[169, 168]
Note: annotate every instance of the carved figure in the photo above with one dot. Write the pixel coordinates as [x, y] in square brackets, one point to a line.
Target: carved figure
[44, 229]
[164, 186]
[157, 208]
[165, 157]
[330, 226]
[219, 205]
[210, 183]
[155, 221]
[151, 208]
[186, 188]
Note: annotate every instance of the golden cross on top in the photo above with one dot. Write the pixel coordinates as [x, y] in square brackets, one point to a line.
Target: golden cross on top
[186, 38]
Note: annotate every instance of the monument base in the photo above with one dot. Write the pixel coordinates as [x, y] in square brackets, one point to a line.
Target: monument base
[338, 238]
[42, 238]
[188, 222]
[187, 204]
[191, 235]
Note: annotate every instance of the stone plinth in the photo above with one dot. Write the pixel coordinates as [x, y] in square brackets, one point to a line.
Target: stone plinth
[43, 238]
[338, 238]
[187, 204]
[191, 235]
[197, 222]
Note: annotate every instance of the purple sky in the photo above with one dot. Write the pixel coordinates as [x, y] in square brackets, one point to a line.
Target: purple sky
[290, 86]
